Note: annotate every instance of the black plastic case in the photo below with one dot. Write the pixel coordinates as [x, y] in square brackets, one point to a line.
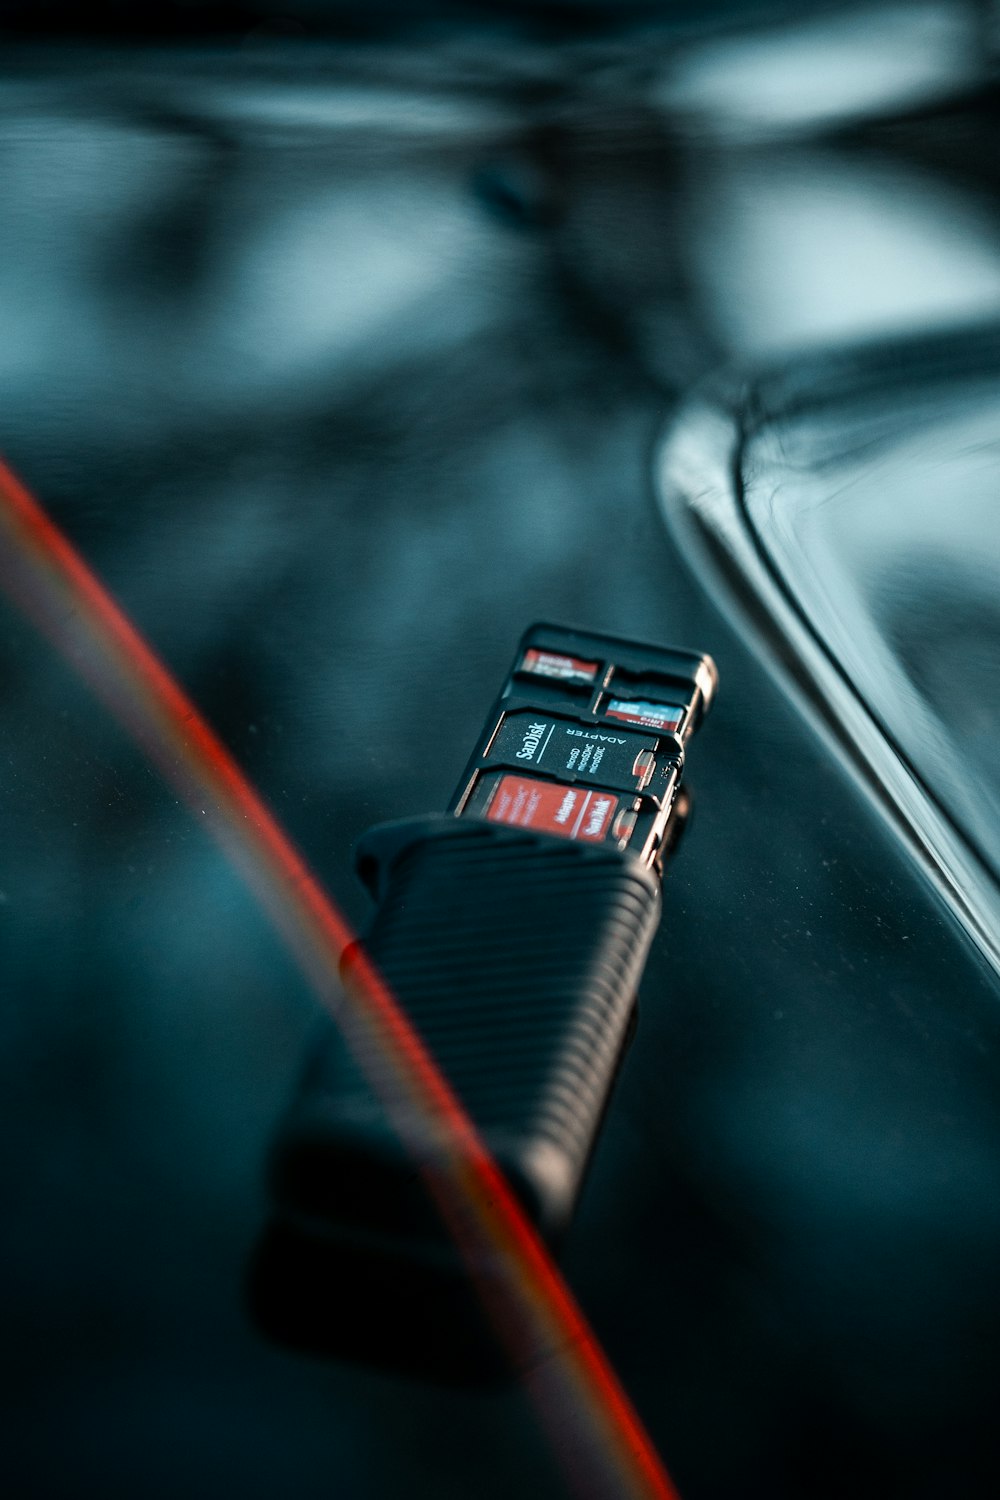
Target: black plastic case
[517, 956]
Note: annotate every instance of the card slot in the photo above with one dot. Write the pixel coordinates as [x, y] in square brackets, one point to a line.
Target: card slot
[626, 683]
[548, 688]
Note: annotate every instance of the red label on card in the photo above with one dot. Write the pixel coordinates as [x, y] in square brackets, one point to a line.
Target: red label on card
[552, 664]
[663, 716]
[570, 812]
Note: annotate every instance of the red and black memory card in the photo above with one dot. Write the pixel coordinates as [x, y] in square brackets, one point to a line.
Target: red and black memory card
[587, 738]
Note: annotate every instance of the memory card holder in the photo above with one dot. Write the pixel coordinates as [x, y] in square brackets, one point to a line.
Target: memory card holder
[515, 945]
[586, 740]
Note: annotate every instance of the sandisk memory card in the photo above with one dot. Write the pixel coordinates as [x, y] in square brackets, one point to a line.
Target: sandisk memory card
[564, 747]
[666, 718]
[589, 814]
[572, 669]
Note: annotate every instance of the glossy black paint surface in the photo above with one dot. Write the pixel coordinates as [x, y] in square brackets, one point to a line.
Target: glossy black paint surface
[838, 509]
[340, 370]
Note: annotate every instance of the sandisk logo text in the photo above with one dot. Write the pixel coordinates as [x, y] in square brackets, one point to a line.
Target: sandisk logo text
[596, 818]
[531, 742]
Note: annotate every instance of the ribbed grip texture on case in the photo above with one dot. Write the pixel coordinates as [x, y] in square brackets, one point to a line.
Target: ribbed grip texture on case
[517, 957]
